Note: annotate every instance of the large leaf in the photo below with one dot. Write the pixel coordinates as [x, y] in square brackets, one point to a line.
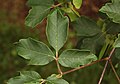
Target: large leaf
[26, 77]
[77, 3]
[117, 53]
[54, 80]
[57, 29]
[112, 10]
[37, 52]
[74, 58]
[39, 11]
[117, 42]
[86, 27]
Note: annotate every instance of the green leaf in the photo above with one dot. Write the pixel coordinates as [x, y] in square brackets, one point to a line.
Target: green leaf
[113, 28]
[47, 3]
[74, 58]
[57, 29]
[86, 27]
[37, 52]
[26, 77]
[117, 42]
[112, 10]
[77, 3]
[94, 43]
[117, 53]
[54, 80]
[39, 11]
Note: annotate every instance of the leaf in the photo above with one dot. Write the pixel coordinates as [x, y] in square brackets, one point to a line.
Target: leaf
[54, 80]
[74, 58]
[77, 3]
[113, 28]
[117, 42]
[112, 10]
[86, 27]
[94, 43]
[37, 52]
[26, 77]
[57, 29]
[117, 53]
[39, 11]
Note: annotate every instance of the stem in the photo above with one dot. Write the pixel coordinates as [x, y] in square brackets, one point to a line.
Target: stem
[114, 71]
[81, 67]
[58, 65]
[106, 65]
[54, 6]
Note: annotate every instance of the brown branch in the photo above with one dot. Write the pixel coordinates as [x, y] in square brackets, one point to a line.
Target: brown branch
[54, 6]
[58, 65]
[114, 71]
[102, 75]
[81, 67]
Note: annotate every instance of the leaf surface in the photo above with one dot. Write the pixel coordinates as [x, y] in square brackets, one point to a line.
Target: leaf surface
[37, 52]
[57, 29]
[39, 11]
[26, 77]
[86, 27]
[74, 58]
[112, 10]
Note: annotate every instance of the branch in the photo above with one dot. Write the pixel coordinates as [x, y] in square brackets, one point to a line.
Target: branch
[54, 6]
[106, 65]
[81, 67]
[114, 71]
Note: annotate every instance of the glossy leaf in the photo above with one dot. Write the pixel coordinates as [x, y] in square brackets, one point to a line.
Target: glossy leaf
[39, 11]
[26, 77]
[112, 10]
[86, 27]
[74, 58]
[117, 42]
[77, 3]
[54, 80]
[57, 29]
[37, 52]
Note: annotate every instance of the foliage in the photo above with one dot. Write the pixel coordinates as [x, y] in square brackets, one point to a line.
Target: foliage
[91, 33]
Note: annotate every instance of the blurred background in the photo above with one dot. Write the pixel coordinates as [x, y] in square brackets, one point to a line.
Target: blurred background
[12, 28]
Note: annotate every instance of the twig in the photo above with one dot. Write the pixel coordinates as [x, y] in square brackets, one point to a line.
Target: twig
[106, 64]
[81, 67]
[54, 6]
[58, 65]
[114, 71]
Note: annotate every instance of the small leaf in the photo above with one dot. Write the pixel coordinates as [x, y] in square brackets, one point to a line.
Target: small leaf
[112, 10]
[26, 77]
[57, 29]
[37, 52]
[74, 58]
[54, 80]
[77, 3]
[39, 11]
[117, 42]
[86, 27]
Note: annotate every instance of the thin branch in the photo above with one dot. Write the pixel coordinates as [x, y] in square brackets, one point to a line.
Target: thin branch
[106, 64]
[54, 6]
[81, 67]
[58, 65]
[114, 71]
